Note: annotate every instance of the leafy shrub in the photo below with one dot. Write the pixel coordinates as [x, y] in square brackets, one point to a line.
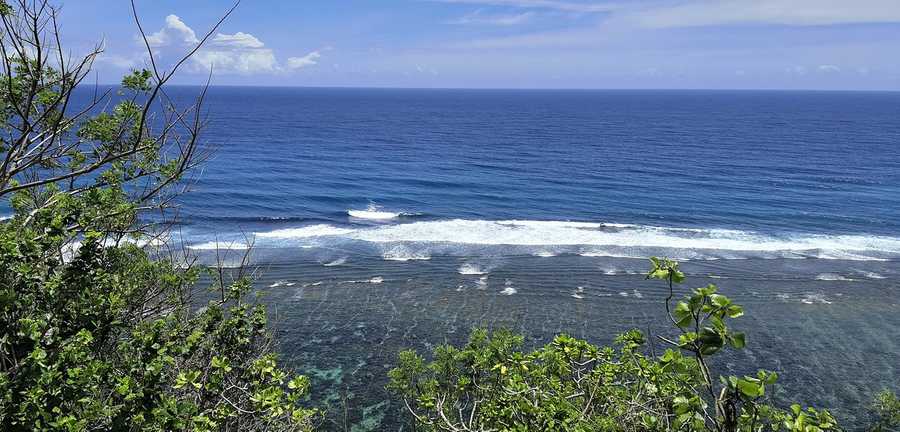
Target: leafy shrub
[571, 385]
[106, 341]
[99, 326]
[886, 412]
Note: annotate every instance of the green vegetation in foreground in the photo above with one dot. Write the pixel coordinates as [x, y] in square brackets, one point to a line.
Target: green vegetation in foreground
[97, 333]
[100, 329]
[491, 384]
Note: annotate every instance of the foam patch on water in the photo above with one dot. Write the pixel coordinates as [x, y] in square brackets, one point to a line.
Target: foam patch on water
[374, 280]
[545, 238]
[508, 288]
[815, 298]
[870, 275]
[373, 213]
[832, 277]
[320, 230]
[579, 293]
[508, 291]
[401, 253]
[376, 213]
[337, 262]
[472, 269]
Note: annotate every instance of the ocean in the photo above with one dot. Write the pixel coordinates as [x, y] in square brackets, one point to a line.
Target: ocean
[384, 219]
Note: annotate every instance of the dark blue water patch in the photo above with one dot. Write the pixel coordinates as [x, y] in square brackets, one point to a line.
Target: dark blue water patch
[777, 164]
[803, 162]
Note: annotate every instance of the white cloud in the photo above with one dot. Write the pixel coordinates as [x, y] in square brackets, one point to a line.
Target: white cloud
[175, 32]
[567, 6]
[690, 13]
[478, 18]
[828, 69]
[239, 53]
[239, 39]
[302, 62]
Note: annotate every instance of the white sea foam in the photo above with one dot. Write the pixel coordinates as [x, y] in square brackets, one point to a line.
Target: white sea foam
[471, 269]
[374, 212]
[372, 215]
[321, 230]
[596, 239]
[870, 275]
[508, 288]
[815, 298]
[337, 262]
[832, 277]
[401, 253]
[219, 246]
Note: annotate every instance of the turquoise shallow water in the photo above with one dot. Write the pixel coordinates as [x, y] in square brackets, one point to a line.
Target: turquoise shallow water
[830, 336]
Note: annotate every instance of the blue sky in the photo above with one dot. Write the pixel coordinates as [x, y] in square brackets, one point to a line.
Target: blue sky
[732, 44]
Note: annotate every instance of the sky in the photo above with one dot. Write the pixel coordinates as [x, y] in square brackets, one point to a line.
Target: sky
[605, 44]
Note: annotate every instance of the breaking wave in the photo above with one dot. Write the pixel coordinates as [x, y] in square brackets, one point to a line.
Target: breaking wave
[373, 212]
[421, 240]
[472, 269]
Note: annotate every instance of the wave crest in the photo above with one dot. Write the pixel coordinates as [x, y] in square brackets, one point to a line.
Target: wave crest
[458, 237]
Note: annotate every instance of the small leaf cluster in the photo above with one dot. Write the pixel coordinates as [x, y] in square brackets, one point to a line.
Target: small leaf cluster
[886, 412]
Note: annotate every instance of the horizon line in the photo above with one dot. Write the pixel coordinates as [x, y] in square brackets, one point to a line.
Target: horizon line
[352, 87]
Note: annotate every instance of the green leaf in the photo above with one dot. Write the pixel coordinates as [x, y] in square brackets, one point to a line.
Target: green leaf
[751, 387]
[738, 340]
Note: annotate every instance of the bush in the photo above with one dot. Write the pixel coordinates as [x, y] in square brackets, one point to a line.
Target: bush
[99, 325]
[571, 385]
[106, 341]
[886, 412]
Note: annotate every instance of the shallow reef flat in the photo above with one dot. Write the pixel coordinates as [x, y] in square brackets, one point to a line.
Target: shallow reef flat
[824, 325]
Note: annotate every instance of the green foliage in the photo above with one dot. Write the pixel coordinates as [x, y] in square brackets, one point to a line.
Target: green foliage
[100, 329]
[491, 383]
[886, 412]
[105, 340]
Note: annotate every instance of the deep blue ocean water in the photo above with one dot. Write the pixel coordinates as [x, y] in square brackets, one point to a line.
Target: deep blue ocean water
[787, 174]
